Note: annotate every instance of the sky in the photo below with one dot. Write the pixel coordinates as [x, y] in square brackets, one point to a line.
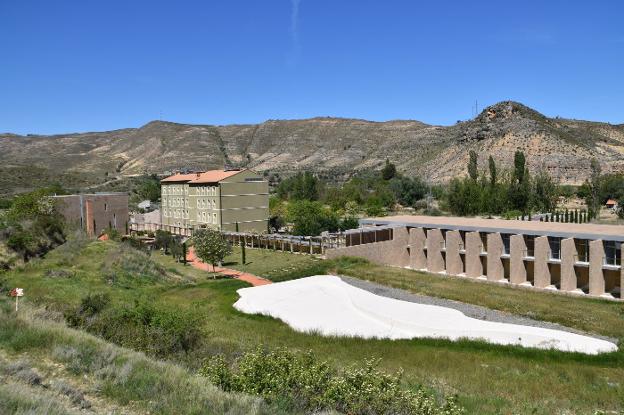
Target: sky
[72, 66]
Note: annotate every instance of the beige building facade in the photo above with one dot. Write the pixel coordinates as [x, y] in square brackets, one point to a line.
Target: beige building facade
[584, 259]
[216, 199]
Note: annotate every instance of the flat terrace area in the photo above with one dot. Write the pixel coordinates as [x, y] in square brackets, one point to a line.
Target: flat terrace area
[564, 230]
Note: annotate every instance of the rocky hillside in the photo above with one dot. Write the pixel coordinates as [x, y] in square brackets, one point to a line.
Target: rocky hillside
[333, 147]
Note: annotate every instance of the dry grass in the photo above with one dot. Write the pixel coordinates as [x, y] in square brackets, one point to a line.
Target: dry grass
[487, 379]
[123, 377]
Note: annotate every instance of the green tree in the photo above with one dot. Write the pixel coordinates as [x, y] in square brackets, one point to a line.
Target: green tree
[408, 191]
[349, 222]
[519, 166]
[492, 167]
[465, 197]
[163, 240]
[148, 188]
[210, 246]
[32, 205]
[311, 218]
[243, 247]
[177, 250]
[520, 186]
[32, 226]
[389, 170]
[543, 196]
[277, 214]
[302, 186]
[473, 172]
[594, 185]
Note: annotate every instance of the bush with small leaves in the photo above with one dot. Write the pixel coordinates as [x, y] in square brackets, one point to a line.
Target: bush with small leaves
[301, 382]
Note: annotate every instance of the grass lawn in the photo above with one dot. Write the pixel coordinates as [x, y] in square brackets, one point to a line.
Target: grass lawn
[274, 265]
[487, 379]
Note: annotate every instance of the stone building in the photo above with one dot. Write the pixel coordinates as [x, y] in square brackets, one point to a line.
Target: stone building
[215, 199]
[95, 212]
[574, 258]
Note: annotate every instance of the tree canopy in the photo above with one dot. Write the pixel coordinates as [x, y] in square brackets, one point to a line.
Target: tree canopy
[210, 246]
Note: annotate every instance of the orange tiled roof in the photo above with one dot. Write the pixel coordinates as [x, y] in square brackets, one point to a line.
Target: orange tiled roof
[611, 202]
[210, 176]
[214, 176]
[179, 178]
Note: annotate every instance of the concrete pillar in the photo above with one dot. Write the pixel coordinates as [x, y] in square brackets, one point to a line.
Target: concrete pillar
[400, 239]
[541, 279]
[435, 260]
[596, 275]
[517, 269]
[453, 259]
[568, 258]
[474, 268]
[495, 271]
[417, 240]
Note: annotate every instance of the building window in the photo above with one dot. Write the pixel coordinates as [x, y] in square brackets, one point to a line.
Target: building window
[214, 218]
[105, 206]
[555, 247]
[613, 252]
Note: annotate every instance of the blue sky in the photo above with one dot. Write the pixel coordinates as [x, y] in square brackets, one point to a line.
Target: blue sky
[70, 66]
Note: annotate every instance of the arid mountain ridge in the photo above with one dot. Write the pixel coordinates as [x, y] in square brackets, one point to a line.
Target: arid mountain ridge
[332, 147]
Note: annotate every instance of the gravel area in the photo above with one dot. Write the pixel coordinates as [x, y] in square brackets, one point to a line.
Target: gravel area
[470, 310]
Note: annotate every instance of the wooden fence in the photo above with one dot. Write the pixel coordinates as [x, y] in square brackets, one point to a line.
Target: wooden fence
[315, 245]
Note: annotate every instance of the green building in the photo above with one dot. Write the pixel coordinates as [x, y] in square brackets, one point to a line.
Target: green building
[216, 199]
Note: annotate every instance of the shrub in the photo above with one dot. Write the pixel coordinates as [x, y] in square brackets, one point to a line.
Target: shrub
[145, 327]
[67, 253]
[113, 234]
[349, 222]
[89, 306]
[126, 266]
[304, 383]
[154, 330]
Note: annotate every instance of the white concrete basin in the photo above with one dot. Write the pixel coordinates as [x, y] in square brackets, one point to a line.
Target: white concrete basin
[327, 305]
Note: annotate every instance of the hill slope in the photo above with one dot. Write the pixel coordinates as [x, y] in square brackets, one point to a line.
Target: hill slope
[331, 146]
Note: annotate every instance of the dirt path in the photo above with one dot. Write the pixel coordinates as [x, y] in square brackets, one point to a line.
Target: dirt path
[243, 276]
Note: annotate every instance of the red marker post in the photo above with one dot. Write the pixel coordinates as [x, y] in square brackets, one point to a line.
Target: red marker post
[17, 293]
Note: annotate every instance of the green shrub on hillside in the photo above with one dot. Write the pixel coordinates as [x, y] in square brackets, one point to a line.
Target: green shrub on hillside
[126, 266]
[32, 226]
[305, 383]
[67, 253]
[145, 327]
